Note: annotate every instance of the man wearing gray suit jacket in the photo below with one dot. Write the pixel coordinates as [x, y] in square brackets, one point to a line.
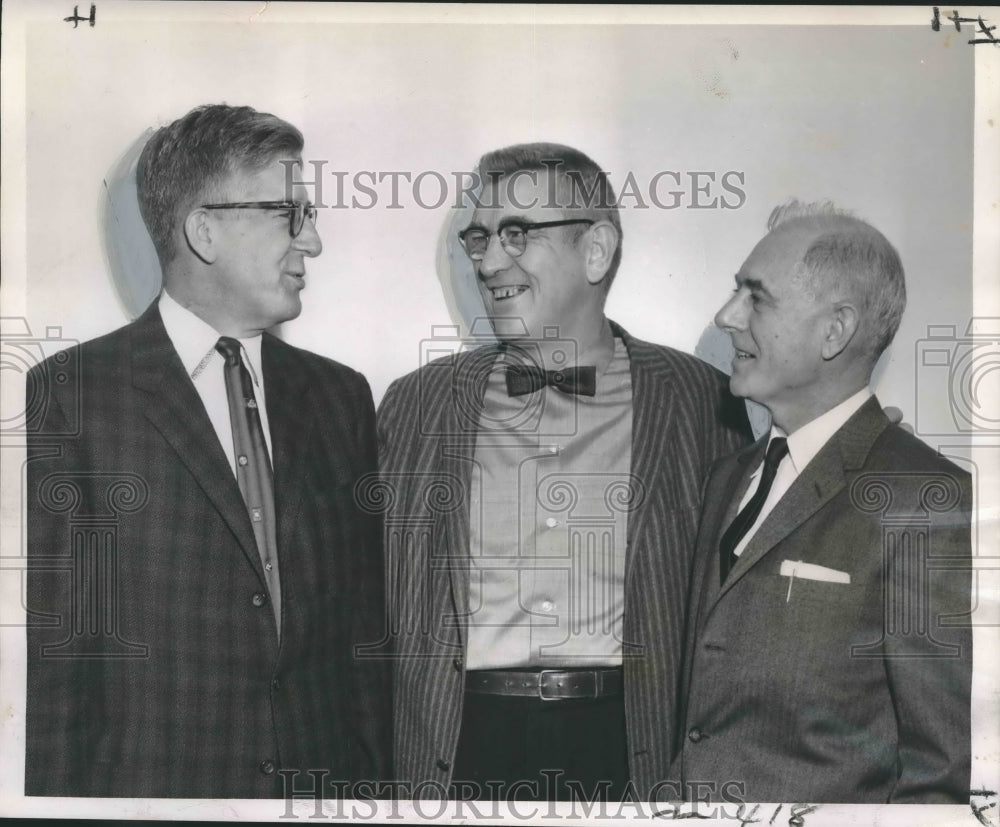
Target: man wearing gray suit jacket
[543, 508]
[829, 654]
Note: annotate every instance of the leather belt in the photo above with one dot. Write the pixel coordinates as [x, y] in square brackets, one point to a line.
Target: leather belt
[547, 684]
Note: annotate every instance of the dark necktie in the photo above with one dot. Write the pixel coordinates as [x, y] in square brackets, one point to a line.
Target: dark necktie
[253, 465]
[522, 379]
[751, 511]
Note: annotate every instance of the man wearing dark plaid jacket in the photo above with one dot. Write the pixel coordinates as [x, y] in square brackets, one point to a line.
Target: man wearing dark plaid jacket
[171, 650]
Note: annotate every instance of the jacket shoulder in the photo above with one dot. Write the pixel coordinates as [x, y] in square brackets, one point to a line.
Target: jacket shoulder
[686, 366]
[320, 367]
[439, 374]
[900, 451]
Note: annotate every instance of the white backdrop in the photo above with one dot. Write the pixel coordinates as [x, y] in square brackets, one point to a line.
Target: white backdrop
[870, 108]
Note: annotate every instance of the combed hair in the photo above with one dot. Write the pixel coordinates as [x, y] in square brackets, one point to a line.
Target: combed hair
[192, 157]
[853, 256]
[581, 183]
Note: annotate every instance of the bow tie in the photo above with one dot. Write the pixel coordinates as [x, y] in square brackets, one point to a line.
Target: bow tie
[522, 379]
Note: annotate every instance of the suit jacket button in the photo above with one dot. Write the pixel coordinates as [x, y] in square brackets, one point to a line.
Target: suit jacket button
[259, 599]
[695, 735]
[275, 684]
[267, 766]
[443, 765]
[457, 663]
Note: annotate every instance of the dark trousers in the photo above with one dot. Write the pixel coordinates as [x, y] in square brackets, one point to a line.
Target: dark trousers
[528, 749]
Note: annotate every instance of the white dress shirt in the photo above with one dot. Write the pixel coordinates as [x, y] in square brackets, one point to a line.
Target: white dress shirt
[194, 340]
[803, 445]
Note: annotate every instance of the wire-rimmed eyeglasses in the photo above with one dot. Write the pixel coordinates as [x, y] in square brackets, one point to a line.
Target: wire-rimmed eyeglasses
[513, 235]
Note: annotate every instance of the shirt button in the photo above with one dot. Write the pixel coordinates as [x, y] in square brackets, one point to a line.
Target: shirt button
[268, 565]
[695, 735]
[551, 522]
[243, 460]
[443, 765]
[275, 684]
[251, 403]
[559, 376]
[259, 599]
[553, 449]
[267, 766]
[257, 515]
[548, 606]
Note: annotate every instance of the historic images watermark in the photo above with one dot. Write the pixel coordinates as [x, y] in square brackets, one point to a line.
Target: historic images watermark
[432, 189]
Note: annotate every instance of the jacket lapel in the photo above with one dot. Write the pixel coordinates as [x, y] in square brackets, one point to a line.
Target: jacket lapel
[176, 410]
[463, 406]
[653, 433]
[290, 424]
[721, 503]
[823, 478]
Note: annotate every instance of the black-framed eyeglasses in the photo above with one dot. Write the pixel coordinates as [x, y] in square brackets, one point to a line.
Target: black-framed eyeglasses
[513, 235]
[298, 211]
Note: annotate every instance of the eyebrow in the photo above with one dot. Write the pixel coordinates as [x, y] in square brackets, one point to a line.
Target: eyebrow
[754, 285]
[506, 221]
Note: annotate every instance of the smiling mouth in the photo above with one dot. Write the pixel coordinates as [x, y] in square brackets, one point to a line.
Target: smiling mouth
[502, 293]
[742, 354]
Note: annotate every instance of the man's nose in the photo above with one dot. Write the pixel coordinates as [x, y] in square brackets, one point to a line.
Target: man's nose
[495, 259]
[732, 315]
[308, 241]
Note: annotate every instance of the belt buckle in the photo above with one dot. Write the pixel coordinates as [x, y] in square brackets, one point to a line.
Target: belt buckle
[541, 679]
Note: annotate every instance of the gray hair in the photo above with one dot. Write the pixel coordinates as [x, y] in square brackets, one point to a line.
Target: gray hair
[851, 255]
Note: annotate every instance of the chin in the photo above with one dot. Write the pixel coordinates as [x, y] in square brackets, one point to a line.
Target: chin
[509, 328]
[738, 387]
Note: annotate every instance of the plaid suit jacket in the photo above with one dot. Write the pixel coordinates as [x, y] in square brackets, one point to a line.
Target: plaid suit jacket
[683, 419]
[154, 666]
[806, 690]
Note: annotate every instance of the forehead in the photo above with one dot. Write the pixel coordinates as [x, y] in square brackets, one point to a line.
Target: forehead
[525, 194]
[778, 254]
[276, 181]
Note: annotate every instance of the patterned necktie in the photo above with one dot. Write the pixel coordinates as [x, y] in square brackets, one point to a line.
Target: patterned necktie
[253, 465]
[522, 379]
[751, 511]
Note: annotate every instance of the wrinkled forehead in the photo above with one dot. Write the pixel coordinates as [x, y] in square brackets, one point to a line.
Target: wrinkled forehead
[528, 194]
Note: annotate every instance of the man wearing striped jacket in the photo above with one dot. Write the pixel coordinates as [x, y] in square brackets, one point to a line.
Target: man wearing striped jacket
[543, 502]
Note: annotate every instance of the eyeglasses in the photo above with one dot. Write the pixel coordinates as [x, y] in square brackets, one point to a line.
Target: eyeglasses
[513, 236]
[298, 211]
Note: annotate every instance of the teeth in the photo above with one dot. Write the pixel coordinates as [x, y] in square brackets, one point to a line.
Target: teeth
[742, 354]
[501, 293]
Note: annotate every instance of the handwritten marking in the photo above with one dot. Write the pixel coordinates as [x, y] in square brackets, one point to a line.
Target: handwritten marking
[958, 21]
[75, 18]
[980, 812]
[797, 818]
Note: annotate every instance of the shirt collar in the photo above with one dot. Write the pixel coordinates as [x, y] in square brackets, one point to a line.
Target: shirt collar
[808, 440]
[194, 339]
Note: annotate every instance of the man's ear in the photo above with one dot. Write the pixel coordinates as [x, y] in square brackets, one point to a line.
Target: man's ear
[198, 232]
[841, 327]
[601, 250]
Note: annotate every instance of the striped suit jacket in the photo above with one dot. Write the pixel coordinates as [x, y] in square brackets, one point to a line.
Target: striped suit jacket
[154, 665]
[683, 419]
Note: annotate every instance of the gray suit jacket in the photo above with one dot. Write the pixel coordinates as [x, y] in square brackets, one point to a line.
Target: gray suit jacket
[806, 690]
[683, 419]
